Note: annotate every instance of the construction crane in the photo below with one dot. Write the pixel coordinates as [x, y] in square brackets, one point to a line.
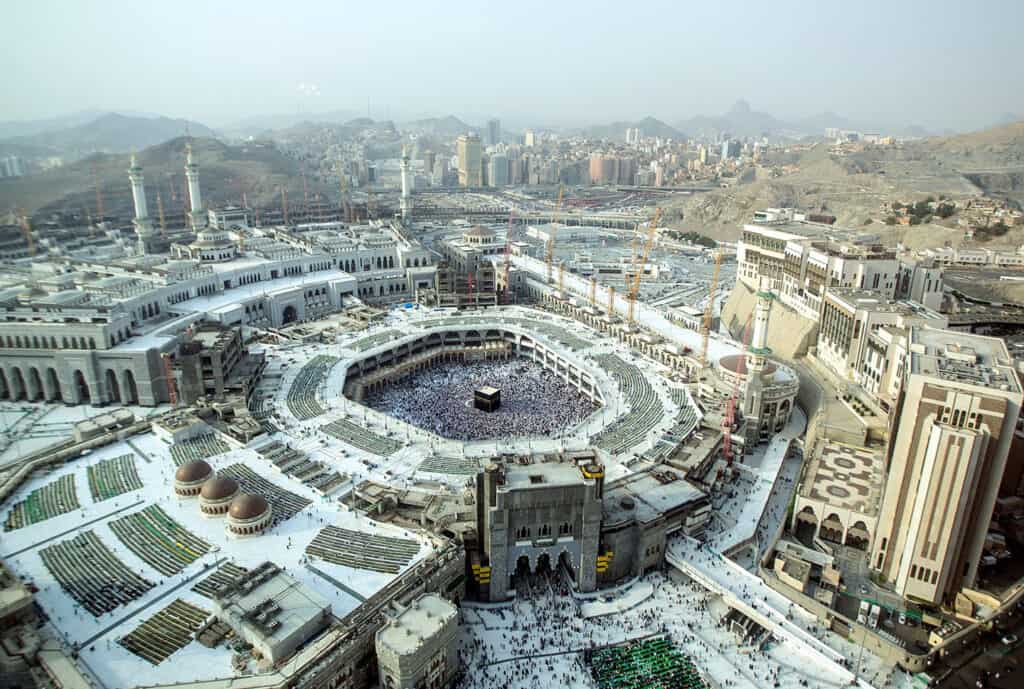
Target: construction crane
[99, 192]
[305, 196]
[346, 204]
[553, 234]
[371, 205]
[508, 254]
[705, 331]
[160, 211]
[26, 229]
[172, 387]
[638, 266]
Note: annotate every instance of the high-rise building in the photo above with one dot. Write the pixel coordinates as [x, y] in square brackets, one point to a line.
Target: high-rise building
[493, 132]
[951, 430]
[497, 173]
[12, 166]
[731, 149]
[470, 153]
[530, 138]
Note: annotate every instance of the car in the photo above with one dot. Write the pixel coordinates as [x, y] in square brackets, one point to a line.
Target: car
[903, 618]
[863, 590]
[1009, 639]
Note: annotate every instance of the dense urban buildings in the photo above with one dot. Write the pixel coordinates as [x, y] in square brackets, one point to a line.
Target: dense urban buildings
[359, 443]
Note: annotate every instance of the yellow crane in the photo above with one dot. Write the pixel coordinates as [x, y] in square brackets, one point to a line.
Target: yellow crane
[554, 233]
[638, 265]
[705, 331]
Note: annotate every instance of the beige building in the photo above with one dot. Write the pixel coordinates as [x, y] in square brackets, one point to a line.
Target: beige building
[951, 430]
[849, 318]
[470, 153]
[416, 649]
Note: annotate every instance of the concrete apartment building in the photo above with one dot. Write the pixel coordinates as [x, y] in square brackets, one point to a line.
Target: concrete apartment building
[417, 648]
[802, 260]
[470, 151]
[951, 431]
[849, 318]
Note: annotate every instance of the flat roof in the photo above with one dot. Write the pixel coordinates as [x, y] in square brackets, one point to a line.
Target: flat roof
[542, 474]
[845, 476]
[963, 358]
[425, 617]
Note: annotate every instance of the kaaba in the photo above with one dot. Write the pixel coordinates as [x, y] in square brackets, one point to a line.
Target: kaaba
[487, 398]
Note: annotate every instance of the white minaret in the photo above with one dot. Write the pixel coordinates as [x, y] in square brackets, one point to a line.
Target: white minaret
[759, 350]
[143, 226]
[192, 173]
[757, 358]
[407, 182]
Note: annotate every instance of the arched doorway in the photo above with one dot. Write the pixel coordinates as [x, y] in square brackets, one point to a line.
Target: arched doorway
[113, 391]
[17, 385]
[35, 385]
[130, 392]
[565, 563]
[81, 388]
[289, 315]
[522, 571]
[806, 525]
[5, 391]
[832, 529]
[53, 385]
[858, 536]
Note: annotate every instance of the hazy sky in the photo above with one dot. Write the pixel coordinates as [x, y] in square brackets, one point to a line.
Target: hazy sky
[939, 63]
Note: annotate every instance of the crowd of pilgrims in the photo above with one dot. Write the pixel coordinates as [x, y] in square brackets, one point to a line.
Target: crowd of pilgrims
[534, 401]
[545, 619]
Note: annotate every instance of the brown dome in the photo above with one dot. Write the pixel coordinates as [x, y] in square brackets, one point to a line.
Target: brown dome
[193, 472]
[218, 488]
[248, 506]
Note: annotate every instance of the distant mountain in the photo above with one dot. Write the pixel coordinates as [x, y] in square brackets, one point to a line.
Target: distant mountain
[257, 125]
[13, 128]
[439, 126]
[110, 133]
[648, 126]
[740, 120]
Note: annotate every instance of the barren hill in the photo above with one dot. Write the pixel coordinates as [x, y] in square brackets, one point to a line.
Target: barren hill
[256, 168]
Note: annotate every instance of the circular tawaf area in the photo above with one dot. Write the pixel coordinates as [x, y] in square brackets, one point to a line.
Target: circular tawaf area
[531, 400]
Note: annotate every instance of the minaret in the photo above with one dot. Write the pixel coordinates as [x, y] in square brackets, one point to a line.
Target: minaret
[407, 182]
[757, 358]
[192, 173]
[143, 226]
